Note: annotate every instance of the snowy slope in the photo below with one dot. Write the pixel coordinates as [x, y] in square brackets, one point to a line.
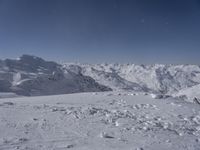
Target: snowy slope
[110, 79]
[143, 112]
[190, 93]
[8, 95]
[96, 121]
[30, 75]
[165, 79]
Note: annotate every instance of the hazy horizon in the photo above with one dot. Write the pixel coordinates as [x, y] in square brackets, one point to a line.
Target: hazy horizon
[92, 31]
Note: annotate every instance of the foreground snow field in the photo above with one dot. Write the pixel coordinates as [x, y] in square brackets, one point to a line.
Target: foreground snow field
[99, 121]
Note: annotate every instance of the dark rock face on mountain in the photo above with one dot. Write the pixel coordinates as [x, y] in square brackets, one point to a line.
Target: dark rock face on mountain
[30, 75]
[31, 64]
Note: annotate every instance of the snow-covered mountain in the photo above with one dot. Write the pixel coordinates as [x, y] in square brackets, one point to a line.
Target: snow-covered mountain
[30, 75]
[165, 79]
[129, 117]
[189, 93]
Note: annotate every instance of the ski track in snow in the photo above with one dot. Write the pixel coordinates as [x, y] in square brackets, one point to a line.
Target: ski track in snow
[96, 121]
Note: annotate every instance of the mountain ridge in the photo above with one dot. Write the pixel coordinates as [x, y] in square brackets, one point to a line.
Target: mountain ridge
[30, 75]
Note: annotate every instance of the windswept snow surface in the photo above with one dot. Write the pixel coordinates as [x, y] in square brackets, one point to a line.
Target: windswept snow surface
[96, 121]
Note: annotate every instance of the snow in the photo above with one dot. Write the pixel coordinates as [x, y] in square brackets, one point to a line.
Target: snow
[16, 78]
[102, 120]
[128, 106]
[7, 95]
[167, 79]
[190, 93]
[33, 76]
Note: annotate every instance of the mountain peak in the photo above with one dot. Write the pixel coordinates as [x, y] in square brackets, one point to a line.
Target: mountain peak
[26, 57]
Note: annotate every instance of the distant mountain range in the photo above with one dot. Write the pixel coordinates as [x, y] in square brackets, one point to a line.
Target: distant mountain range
[30, 75]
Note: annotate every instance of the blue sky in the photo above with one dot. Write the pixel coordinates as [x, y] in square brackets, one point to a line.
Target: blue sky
[95, 31]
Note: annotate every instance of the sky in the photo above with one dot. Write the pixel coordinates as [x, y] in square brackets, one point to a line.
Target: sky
[97, 31]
